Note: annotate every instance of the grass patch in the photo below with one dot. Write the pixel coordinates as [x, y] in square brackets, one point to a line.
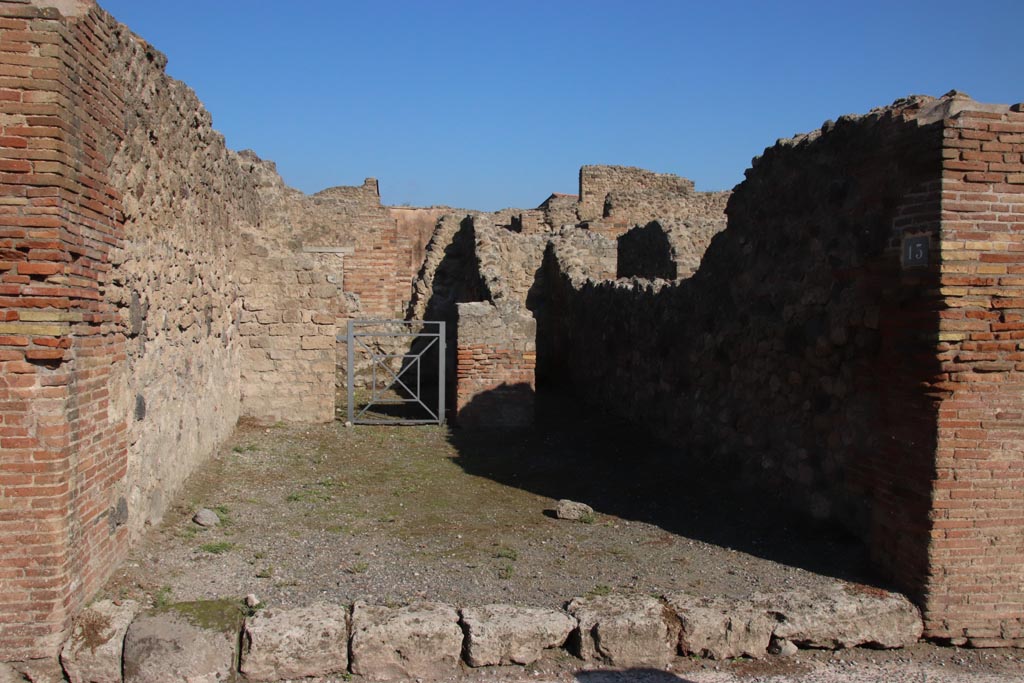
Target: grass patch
[507, 554]
[247, 448]
[599, 591]
[223, 514]
[217, 547]
[162, 598]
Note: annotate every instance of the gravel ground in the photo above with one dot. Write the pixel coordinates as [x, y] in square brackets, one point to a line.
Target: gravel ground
[392, 514]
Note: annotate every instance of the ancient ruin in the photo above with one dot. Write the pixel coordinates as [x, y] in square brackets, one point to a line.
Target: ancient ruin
[845, 327]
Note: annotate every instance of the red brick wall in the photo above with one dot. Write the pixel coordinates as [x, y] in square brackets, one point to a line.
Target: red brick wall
[977, 550]
[63, 454]
[496, 362]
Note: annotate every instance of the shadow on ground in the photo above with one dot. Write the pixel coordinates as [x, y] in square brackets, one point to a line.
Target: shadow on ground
[616, 469]
[630, 676]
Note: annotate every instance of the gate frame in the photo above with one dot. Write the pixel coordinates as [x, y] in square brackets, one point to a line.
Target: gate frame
[379, 360]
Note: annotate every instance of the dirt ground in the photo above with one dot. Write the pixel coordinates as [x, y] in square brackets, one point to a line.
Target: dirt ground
[394, 514]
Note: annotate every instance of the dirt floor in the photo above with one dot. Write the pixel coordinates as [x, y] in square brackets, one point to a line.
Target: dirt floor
[394, 514]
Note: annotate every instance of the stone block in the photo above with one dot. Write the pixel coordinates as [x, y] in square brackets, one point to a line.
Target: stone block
[507, 634]
[423, 640]
[295, 643]
[92, 653]
[625, 631]
[192, 641]
[721, 628]
[845, 615]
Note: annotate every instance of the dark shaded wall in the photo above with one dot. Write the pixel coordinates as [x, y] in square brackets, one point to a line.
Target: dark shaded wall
[798, 356]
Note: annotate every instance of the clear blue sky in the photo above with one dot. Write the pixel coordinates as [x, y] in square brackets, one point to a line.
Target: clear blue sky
[492, 103]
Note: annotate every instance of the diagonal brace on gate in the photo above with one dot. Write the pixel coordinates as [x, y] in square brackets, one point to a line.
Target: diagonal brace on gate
[362, 335]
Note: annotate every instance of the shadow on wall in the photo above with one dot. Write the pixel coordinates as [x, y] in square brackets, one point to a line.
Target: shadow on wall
[801, 360]
[507, 405]
[456, 280]
[621, 471]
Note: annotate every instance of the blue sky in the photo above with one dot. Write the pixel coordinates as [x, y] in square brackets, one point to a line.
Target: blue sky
[488, 103]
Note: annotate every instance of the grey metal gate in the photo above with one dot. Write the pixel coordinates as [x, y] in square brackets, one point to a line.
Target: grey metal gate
[396, 352]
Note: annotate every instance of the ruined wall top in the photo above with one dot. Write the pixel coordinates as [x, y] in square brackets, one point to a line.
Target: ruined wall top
[67, 8]
[597, 182]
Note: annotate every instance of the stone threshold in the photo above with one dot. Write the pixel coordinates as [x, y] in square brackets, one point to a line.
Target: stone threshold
[219, 640]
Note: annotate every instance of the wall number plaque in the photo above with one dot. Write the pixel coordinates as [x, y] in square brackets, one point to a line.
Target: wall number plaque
[915, 251]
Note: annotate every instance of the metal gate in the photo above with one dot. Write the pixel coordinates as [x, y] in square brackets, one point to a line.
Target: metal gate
[393, 355]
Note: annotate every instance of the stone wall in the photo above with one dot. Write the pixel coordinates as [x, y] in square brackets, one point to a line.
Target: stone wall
[377, 283]
[560, 209]
[290, 318]
[597, 182]
[796, 354]
[665, 249]
[186, 203]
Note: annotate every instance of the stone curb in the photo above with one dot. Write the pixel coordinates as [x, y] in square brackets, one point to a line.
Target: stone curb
[433, 640]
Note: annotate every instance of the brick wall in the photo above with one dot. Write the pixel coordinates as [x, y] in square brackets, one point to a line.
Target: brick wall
[496, 359]
[64, 452]
[415, 227]
[977, 552]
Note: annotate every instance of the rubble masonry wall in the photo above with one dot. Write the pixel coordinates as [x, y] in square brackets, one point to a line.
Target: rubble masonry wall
[799, 353]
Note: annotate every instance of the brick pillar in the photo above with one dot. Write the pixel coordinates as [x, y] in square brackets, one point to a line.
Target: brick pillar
[976, 590]
[63, 454]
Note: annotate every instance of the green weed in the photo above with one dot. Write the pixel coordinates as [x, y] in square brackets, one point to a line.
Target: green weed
[217, 547]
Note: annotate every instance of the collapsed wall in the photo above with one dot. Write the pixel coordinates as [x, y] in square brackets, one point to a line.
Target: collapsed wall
[850, 342]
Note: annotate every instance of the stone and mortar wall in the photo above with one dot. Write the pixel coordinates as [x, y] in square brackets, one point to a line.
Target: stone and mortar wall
[497, 339]
[614, 199]
[800, 352]
[665, 249]
[186, 203]
[288, 327]
[597, 182]
[560, 210]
